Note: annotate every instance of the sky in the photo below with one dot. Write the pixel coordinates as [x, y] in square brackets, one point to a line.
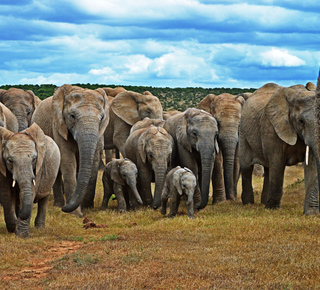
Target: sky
[167, 43]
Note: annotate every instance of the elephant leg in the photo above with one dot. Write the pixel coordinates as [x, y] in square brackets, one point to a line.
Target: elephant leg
[265, 189]
[58, 194]
[311, 201]
[173, 205]
[219, 193]
[196, 196]
[276, 176]
[40, 220]
[118, 191]
[108, 155]
[131, 200]
[22, 227]
[88, 201]
[247, 189]
[164, 200]
[107, 192]
[144, 185]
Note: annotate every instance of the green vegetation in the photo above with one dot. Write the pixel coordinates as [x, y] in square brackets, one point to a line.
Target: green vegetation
[171, 98]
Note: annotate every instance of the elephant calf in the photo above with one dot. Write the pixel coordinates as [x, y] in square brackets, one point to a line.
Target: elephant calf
[29, 164]
[120, 178]
[179, 183]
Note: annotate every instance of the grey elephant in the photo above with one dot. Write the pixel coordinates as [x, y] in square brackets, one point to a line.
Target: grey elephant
[126, 109]
[120, 178]
[146, 122]
[151, 150]
[76, 118]
[180, 183]
[195, 133]
[276, 126]
[21, 103]
[29, 163]
[226, 109]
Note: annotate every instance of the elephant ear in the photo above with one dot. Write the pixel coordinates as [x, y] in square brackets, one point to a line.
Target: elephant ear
[5, 134]
[176, 176]
[277, 111]
[142, 142]
[106, 106]
[240, 99]
[311, 86]
[125, 106]
[39, 138]
[115, 172]
[205, 104]
[57, 106]
[2, 92]
[36, 100]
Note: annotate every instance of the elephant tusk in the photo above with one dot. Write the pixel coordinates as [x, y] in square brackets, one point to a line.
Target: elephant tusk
[307, 155]
[13, 183]
[34, 182]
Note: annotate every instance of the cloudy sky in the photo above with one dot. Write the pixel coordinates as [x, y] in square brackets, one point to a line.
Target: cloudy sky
[162, 43]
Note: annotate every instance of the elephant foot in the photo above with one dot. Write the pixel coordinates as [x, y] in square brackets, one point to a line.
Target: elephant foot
[163, 211]
[247, 199]
[311, 211]
[231, 197]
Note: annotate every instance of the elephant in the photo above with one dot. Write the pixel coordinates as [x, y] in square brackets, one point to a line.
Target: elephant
[151, 149]
[120, 178]
[21, 103]
[29, 163]
[112, 92]
[167, 114]
[226, 109]
[195, 133]
[7, 119]
[76, 119]
[276, 126]
[126, 109]
[180, 183]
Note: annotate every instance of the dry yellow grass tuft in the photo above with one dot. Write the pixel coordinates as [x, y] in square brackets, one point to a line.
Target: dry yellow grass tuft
[226, 246]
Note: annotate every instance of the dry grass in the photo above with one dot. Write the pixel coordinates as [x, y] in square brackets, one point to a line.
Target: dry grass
[226, 246]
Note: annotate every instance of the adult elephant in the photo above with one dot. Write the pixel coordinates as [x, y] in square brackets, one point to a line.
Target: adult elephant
[76, 118]
[276, 126]
[150, 149]
[195, 133]
[226, 109]
[126, 109]
[21, 103]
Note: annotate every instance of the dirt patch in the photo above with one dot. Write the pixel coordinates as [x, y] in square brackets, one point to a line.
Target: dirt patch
[41, 267]
[88, 224]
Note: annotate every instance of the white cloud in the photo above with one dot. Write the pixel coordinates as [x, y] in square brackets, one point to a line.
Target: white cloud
[280, 57]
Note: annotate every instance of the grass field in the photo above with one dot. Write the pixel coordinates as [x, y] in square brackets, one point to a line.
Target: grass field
[226, 246]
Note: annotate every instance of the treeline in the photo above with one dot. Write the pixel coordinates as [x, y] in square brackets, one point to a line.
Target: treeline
[171, 98]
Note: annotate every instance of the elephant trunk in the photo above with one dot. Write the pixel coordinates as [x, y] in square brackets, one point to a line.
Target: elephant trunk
[26, 199]
[23, 123]
[133, 186]
[207, 160]
[228, 147]
[160, 174]
[87, 143]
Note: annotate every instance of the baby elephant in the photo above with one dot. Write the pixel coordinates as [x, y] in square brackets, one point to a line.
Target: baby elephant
[180, 182]
[120, 178]
[29, 164]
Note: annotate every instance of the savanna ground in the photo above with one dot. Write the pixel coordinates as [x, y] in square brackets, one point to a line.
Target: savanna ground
[226, 246]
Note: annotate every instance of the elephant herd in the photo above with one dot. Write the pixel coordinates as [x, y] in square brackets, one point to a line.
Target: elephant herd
[57, 144]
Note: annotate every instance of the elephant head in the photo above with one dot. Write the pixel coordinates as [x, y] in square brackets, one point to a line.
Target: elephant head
[21, 103]
[185, 183]
[80, 115]
[125, 172]
[226, 109]
[132, 107]
[21, 159]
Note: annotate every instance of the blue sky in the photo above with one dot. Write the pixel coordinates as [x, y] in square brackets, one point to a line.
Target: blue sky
[167, 43]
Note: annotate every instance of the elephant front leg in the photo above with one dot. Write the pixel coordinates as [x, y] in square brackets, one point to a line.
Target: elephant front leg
[144, 185]
[174, 205]
[311, 201]
[247, 189]
[276, 175]
[58, 194]
[265, 189]
[118, 191]
[40, 220]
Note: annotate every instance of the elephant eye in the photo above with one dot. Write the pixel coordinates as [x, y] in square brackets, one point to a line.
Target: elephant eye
[72, 117]
[34, 159]
[10, 160]
[301, 122]
[102, 116]
[148, 112]
[194, 134]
